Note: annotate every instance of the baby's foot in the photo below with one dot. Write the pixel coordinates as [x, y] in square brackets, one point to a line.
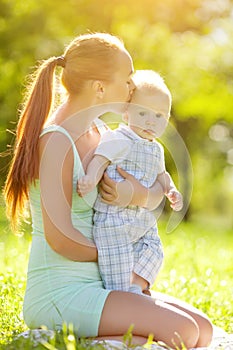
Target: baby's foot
[147, 292]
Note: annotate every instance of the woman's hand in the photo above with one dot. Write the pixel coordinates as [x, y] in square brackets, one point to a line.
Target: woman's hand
[130, 192]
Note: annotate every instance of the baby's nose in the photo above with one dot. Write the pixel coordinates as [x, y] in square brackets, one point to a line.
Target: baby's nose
[150, 120]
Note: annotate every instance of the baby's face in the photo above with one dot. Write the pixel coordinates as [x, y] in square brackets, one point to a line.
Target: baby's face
[148, 114]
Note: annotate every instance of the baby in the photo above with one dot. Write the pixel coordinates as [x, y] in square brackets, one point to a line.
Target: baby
[130, 252]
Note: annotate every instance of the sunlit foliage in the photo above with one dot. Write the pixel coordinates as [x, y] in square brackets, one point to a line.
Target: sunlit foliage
[190, 42]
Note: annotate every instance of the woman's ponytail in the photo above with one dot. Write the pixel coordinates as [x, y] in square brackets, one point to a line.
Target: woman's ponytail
[25, 163]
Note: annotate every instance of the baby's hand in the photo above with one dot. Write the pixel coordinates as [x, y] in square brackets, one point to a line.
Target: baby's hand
[85, 185]
[176, 199]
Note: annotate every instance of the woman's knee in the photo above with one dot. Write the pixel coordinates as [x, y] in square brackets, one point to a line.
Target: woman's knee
[206, 332]
[196, 334]
[185, 334]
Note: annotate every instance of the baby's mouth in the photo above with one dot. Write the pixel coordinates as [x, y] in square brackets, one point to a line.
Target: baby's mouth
[149, 131]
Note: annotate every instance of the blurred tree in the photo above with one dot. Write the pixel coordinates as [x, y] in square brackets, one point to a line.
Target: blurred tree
[188, 41]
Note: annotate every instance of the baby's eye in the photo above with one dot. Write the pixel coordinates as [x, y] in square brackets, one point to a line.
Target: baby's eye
[142, 114]
[158, 115]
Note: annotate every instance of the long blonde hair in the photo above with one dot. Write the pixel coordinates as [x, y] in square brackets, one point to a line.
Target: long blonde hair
[89, 56]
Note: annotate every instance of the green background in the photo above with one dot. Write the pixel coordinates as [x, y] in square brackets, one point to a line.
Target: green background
[190, 43]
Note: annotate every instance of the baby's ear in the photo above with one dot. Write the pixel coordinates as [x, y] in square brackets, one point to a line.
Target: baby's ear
[125, 117]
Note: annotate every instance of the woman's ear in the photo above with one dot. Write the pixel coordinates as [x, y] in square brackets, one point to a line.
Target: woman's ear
[98, 88]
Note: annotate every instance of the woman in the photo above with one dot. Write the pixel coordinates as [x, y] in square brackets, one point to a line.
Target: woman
[51, 152]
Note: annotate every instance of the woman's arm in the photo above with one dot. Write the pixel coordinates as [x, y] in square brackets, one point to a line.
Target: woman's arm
[130, 192]
[56, 183]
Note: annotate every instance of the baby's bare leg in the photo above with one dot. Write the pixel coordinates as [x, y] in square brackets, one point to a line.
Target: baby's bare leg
[136, 279]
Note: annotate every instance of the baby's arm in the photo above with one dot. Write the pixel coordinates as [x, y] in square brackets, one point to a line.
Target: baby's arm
[170, 191]
[94, 173]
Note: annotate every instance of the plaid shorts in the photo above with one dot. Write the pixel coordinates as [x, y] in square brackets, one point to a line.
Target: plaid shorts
[118, 255]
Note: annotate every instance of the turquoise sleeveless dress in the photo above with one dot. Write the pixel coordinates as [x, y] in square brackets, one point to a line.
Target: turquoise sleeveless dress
[60, 290]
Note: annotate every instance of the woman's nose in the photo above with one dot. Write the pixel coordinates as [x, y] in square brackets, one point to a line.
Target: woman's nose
[131, 90]
[132, 86]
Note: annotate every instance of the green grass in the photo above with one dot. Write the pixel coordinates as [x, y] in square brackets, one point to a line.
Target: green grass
[197, 268]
